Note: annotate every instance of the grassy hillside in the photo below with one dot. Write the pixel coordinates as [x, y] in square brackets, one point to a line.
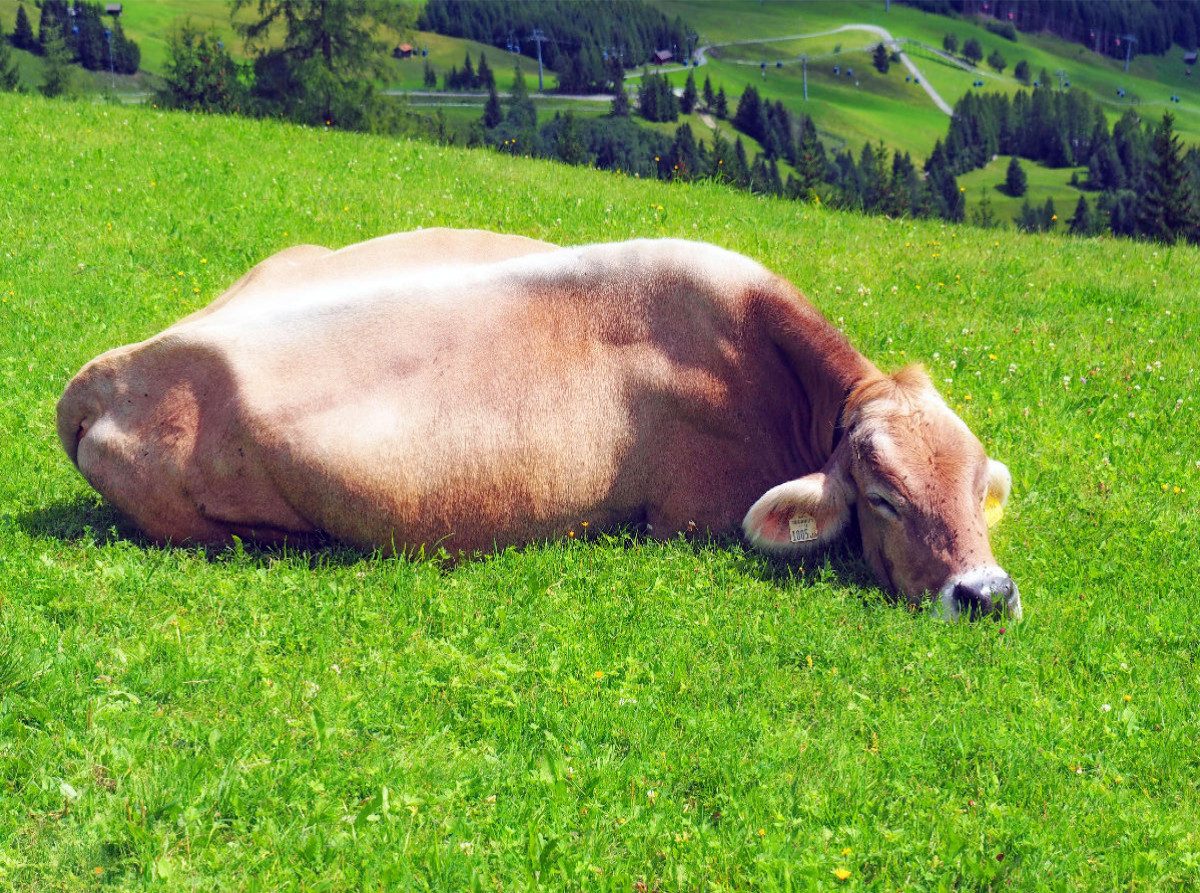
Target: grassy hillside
[614, 714]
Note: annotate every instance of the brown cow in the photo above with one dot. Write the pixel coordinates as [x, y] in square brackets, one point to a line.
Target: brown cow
[475, 390]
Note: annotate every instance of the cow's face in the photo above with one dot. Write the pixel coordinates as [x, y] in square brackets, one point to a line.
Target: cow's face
[924, 490]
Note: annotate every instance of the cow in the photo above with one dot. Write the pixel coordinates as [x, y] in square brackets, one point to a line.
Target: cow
[467, 390]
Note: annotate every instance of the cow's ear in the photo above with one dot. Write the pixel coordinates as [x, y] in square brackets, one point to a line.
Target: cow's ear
[799, 516]
[998, 488]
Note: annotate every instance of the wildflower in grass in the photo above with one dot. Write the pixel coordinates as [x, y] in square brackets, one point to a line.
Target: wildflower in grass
[599, 674]
[842, 874]
[1106, 707]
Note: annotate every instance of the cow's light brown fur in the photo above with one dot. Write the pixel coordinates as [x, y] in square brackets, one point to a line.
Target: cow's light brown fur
[473, 390]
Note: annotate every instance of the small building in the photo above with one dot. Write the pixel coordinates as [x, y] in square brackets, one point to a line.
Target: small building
[662, 57]
[404, 51]
[1189, 58]
[113, 9]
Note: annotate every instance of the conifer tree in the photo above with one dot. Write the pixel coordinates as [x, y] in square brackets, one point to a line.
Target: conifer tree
[10, 78]
[687, 102]
[881, 59]
[721, 105]
[709, 96]
[620, 103]
[56, 73]
[1015, 182]
[1166, 209]
[493, 114]
[23, 38]
[1049, 215]
[484, 75]
[1083, 221]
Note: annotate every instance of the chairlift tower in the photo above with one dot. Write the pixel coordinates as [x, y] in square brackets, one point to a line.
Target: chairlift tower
[1061, 74]
[539, 35]
[1130, 40]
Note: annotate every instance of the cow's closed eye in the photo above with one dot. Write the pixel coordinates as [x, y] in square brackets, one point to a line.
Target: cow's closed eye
[884, 506]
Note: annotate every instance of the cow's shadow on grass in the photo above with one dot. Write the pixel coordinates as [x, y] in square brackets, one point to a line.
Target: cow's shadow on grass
[79, 519]
[85, 519]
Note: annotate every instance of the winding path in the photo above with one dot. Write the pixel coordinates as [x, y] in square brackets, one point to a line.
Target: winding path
[882, 33]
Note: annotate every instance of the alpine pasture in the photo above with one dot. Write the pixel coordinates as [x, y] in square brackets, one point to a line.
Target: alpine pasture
[601, 713]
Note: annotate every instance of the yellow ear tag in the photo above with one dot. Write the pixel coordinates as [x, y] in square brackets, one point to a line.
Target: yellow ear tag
[993, 510]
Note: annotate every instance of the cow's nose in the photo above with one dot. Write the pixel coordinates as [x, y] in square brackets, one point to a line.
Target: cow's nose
[980, 594]
[974, 601]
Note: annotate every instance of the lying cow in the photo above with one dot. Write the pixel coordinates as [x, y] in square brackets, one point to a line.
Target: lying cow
[474, 390]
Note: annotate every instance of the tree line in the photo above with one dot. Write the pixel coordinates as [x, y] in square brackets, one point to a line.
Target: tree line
[76, 34]
[1134, 167]
[1103, 26]
[584, 40]
[793, 162]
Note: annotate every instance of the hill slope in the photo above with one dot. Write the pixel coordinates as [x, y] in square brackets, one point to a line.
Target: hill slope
[604, 714]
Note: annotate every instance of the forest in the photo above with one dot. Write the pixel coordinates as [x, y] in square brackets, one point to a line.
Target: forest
[80, 33]
[578, 37]
[1104, 27]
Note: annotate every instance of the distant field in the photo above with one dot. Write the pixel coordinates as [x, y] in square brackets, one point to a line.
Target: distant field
[1043, 183]
[608, 715]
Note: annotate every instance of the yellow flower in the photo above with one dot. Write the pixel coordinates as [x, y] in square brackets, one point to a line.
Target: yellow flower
[599, 674]
[846, 851]
[842, 874]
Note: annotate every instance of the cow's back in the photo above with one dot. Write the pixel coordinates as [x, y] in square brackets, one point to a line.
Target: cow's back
[394, 396]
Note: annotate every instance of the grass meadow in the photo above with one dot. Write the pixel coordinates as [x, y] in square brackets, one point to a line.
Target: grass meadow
[609, 714]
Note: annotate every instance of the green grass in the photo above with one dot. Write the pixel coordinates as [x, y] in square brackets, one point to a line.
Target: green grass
[591, 715]
[1042, 183]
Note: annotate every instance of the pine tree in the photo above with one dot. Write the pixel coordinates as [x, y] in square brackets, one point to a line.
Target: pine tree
[996, 60]
[982, 214]
[23, 38]
[1049, 216]
[1028, 220]
[1083, 221]
[620, 103]
[721, 105]
[950, 43]
[522, 113]
[10, 78]
[881, 58]
[493, 114]
[485, 76]
[687, 102]
[709, 96]
[1021, 72]
[56, 73]
[1015, 182]
[318, 62]
[1165, 209]
[972, 51]
[569, 145]
[430, 75]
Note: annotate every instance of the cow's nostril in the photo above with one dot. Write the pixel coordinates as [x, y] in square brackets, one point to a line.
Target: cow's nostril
[972, 601]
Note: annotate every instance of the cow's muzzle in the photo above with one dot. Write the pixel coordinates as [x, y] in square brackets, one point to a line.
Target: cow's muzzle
[980, 593]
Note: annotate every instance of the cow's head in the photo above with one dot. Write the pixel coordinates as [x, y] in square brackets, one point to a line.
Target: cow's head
[925, 492]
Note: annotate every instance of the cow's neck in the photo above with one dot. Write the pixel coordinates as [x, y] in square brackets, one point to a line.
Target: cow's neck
[826, 366]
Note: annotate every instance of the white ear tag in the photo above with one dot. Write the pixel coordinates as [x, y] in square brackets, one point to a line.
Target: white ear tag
[803, 529]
